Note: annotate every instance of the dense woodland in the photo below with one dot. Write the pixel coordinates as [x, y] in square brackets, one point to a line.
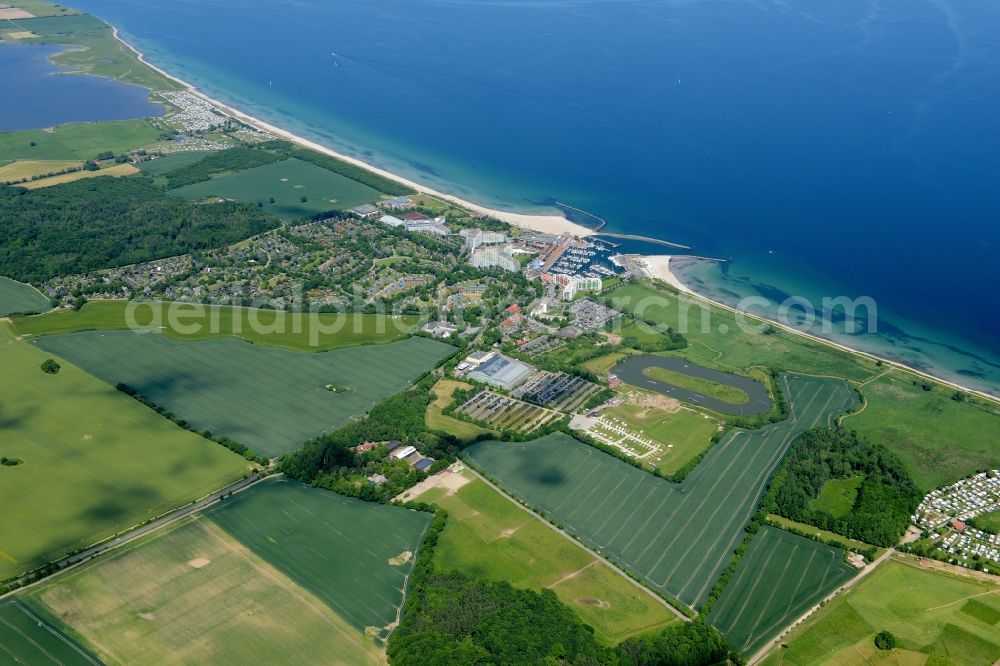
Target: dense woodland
[452, 619]
[105, 222]
[885, 500]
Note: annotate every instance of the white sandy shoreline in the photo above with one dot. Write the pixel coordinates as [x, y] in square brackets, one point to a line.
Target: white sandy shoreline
[657, 266]
[551, 224]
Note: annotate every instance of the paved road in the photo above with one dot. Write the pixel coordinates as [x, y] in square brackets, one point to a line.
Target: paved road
[72, 561]
[630, 371]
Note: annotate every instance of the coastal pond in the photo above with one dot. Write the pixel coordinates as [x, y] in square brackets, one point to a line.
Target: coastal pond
[37, 93]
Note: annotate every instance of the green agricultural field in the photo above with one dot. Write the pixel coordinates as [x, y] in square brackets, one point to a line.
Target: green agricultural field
[191, 594]
[286, 182]
[161, 165]
[354, 556]
[704, 386]
[18, 297]
[939, 439]
[26, 637]
[94, 460]
[676, 537]
[271, 400]
[825, 535]
[489, 536]
[82, 141]
[184, 321]
[838, 495]
[936, 616]
[780, 576]
[689, 431]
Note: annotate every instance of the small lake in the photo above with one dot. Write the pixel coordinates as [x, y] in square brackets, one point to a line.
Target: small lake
[631, 370]
[38, 94]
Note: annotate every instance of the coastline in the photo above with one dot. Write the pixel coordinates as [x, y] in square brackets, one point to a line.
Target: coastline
[657, 266]
[549, 224]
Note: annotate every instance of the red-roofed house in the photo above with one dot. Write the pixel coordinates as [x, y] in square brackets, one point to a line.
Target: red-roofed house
[958, 525]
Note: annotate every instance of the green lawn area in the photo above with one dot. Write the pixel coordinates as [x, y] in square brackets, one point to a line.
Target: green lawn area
[988, 522]
[192, 594]
[779, 577]
[286, 182]
[18, 297]
[937, 618]
[704, 386]
[837, 495]
[94, 460]
[26, 637]
[355, 556]
[162, 165]
[676, 538]
[81, 141]
[301, 331]
[689, 431]
[443, 391]
[940, 440]
[489, 536]
[272, 400]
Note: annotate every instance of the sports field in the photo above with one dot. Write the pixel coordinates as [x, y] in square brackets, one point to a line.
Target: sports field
[19, 297]
[286, 182]
[82, 141]
[937, 617]
[354, 556]
[94, 460]
[191, 594]
[303, 331]
[271, 400]
[28, 638]
[676, 537]
[780, 576]
[487, 535]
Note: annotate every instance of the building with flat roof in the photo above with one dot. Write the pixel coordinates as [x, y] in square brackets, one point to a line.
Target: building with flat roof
[391, 221]
[398, 202]
[494, 256]
[365, 210]
[502, 371]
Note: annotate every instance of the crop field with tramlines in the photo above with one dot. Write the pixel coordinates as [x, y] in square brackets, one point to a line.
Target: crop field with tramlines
[779, 577]
[677, 538]
[271, 400]
[27, 638]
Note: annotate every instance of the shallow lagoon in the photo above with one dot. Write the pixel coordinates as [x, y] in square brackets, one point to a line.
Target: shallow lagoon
[38, 93]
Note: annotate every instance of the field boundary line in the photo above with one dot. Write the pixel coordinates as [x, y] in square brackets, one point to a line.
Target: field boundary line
[579, 543]
[76, 648]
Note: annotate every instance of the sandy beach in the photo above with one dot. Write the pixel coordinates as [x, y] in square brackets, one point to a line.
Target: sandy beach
[550, 224]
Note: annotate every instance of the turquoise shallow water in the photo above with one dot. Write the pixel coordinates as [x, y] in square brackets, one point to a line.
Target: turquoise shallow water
[845, 148]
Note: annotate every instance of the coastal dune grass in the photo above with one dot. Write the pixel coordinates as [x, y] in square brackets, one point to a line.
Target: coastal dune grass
[192, 594]
[93, 461]
[487, 535]
[271, 400]
[269, 328]
[779, 577]
[677, 538]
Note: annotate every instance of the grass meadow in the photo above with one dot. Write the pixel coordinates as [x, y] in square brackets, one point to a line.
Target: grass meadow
[838, 495]
[355, 556]
[94, 460]
[938, 617]
[286, 182]
[26, 637]
[988, 522]
[436, 420]
[271, 400]
[780, 576]
[712, 389]
[488, 536]
[677, 538]
[192, 594]
[81, 141]
[171, 161]
[301, 331]
[19, 297]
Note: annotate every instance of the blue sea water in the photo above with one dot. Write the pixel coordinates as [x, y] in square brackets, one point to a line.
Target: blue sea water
[37, 93]
[824, 148]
